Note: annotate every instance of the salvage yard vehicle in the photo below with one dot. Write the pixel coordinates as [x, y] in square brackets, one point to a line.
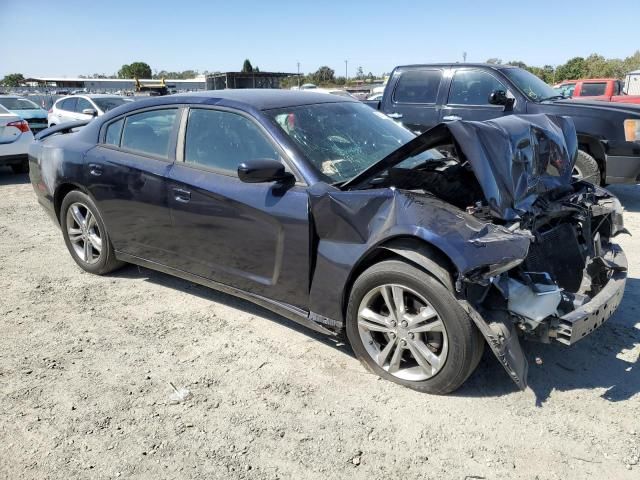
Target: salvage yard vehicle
[603, 89]
[15, 138]
[35, 116]
[421, 96]
[420, 248]
[83, 107]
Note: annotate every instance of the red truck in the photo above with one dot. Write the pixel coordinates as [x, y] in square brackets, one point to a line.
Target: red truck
[604, 89]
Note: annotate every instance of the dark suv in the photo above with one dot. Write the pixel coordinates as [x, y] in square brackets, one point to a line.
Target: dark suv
[421, 96]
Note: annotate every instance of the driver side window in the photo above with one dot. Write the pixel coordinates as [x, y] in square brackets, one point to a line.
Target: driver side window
[473, 87]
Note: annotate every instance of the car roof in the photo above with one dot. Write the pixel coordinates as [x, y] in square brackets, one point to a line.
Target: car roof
[454, 64]
[264, 98]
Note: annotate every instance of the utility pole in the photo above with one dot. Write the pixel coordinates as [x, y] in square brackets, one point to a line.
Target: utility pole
[464, 57]
[346, 72]
[298, 74]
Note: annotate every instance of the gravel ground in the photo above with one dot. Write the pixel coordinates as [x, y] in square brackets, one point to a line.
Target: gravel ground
[87, 363]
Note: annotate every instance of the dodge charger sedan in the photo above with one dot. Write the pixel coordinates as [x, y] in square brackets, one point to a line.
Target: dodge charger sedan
[422, 249]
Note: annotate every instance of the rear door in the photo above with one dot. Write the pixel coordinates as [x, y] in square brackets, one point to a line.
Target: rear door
[252, 236]
[414, 98]
[127, 176]
[468, 97]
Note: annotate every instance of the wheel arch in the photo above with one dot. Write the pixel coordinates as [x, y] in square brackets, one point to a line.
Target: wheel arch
[62, 191]
[596, 149]
[413, 250]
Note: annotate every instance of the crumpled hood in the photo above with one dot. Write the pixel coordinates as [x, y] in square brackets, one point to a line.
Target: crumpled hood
[515, 158]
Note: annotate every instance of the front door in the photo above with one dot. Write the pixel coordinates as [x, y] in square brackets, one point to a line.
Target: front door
[252, 236]
[468, 97]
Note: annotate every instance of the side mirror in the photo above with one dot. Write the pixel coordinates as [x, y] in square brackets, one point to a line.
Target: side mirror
[263, 170]
[90, 111]
[499, 97]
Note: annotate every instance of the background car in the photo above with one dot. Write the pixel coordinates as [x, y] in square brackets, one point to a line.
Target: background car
[82, 107]
[603, 89]
[15, 138]
[35, 116]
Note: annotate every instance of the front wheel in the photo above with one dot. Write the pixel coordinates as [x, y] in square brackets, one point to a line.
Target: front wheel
[86, 235]
[406, 327]
[586, 168]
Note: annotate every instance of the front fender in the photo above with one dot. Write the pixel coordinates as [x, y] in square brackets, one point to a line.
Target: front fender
[349, 225]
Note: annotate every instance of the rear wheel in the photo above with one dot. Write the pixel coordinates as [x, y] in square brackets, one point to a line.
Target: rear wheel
[86, 235]
[406, 327]
[586, 168]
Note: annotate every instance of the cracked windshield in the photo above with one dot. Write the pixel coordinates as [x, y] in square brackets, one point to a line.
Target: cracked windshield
[343, 139]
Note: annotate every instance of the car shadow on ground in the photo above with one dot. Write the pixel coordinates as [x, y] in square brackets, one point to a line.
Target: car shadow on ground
[590, 363]
[169, 281]
[7, 177]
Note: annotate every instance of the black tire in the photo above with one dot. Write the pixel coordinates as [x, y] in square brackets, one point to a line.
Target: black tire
[106, 261]
[465, 342]
[20, 168]
[586, 168]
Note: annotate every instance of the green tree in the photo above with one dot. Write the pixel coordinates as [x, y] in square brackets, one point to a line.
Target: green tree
[135, 70]
[573, 69]
[13, 80]
[360, 73]
[323, 75]
[246, 66]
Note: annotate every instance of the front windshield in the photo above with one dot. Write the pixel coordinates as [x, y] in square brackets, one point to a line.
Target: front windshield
[108, 103]
[342, 139]
[18, 104]
[532, 86]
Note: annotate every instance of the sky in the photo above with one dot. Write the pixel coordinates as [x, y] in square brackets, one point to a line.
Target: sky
[72, 37]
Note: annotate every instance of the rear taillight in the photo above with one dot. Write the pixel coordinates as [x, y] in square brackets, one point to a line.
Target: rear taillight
[21, 125]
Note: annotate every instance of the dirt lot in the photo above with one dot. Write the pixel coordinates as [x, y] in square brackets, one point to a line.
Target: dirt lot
[86, 364]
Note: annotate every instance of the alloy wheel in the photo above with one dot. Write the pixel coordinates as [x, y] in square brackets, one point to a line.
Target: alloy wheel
[402, 332]
[84, 233]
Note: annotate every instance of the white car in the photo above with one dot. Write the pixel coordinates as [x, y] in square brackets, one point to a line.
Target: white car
[333, 91]
[15, 138]
[375, 96]
[82, 107]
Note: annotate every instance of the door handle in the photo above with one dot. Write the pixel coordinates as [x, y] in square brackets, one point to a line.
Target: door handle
[451, 118]
[182, 196]
[95, 169]
[394, 115]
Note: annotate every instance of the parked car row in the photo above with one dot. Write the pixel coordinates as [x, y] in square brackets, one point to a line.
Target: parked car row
[21, 118]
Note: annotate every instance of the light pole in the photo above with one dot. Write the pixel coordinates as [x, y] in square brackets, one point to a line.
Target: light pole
[346, 72]
[298, 74]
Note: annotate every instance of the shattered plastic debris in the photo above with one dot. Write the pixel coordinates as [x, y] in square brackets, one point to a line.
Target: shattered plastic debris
[179, 395]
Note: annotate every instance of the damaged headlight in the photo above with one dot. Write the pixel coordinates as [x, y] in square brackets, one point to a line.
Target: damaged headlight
[632, 130]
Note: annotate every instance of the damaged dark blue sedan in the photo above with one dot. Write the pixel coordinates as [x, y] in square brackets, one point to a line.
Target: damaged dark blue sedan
[422, 249]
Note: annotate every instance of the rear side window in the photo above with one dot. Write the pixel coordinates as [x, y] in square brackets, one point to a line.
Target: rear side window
[418, 86]
[222, 140]
[149, 132]
[113, 133]
[593, 89]
[473, 87]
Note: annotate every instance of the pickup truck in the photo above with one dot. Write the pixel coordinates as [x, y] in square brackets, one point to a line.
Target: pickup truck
[603, 89]
[422, 96]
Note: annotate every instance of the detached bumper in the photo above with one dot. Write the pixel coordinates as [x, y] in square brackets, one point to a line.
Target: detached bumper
[578, 324]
